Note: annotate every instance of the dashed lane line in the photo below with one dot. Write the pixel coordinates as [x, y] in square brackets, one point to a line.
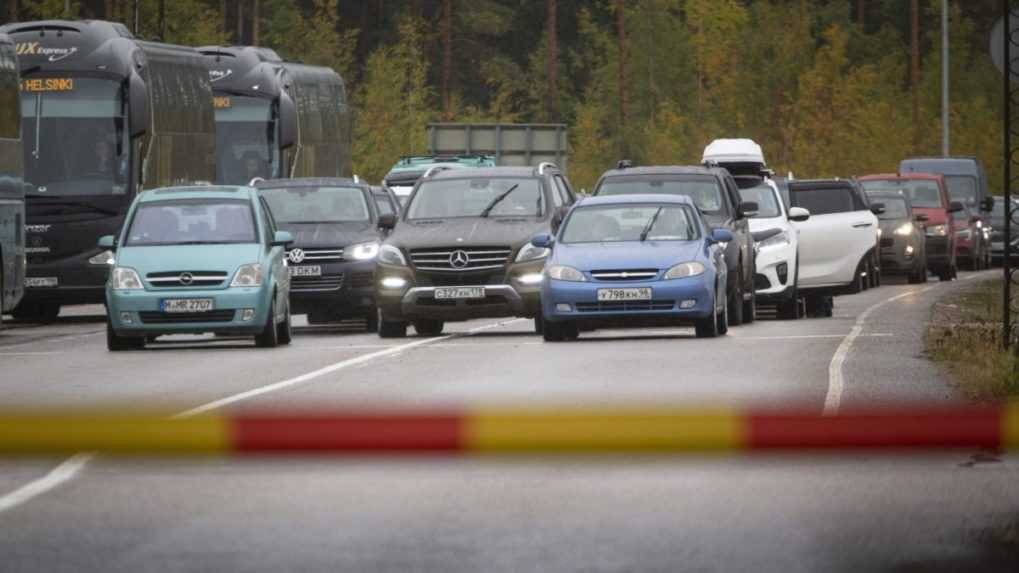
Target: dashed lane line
[59, 475]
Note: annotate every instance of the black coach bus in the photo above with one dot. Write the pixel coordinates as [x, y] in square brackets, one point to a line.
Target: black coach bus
[12, 192]
[104, 116]
[276, 119]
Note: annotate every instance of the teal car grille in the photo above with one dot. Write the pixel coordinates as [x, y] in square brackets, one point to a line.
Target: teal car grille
[155, 317]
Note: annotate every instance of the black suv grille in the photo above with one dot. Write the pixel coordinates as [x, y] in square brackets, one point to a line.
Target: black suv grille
[460, 258]
[169, 279]
[460, 279]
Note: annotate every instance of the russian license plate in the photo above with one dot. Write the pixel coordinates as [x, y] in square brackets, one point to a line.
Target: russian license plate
[40, 282]
[459, 292]
[186, 305]
[306, 271]
[623, 294]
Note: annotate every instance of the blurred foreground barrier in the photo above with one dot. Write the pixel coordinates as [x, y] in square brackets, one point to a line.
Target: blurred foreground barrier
[510, 430]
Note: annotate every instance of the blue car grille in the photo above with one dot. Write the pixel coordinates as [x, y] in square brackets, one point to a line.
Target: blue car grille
[156, 317]
[626, 306]
[625, 275]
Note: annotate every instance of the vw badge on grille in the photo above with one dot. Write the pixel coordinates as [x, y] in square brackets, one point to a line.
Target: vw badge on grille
[186, 278]
[296, 255]
[458, 259]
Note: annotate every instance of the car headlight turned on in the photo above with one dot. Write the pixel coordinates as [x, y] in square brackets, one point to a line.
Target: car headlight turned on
[937, 230]
[125, 278]
[685, 270]
[391, 255]
[248, 276]
[779, 240]
[564, 273]
[531, 253]
[361, 251]
[904, 230]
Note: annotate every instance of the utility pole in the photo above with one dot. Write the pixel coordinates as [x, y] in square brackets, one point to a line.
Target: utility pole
[552, 65]
[914, 72]
[944, 79]
[447, 56]
[254, 24]
[162, 20]
[623, 88]
[240, 23]
[136, 18]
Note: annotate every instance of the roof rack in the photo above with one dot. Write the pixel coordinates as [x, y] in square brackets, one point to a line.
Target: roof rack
[356, 178]
[433, 169]
[545, 164]
[255, 181]
[624, 164]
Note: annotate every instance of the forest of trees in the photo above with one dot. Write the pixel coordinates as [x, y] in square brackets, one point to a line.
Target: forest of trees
[828, 87]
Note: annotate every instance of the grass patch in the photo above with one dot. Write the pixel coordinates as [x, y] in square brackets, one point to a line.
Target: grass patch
[964, 336]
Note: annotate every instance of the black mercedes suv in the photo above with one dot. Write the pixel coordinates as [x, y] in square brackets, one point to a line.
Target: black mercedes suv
[462, 247]
[336, 227]
[717, 196]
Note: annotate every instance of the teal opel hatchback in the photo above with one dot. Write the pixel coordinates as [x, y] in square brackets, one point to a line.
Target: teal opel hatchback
[198, 259]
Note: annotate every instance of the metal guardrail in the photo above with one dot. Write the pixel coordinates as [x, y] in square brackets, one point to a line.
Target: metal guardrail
[664, 430]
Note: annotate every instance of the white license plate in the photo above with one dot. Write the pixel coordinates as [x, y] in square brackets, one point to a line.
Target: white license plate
[306, 271]
[459, 292]
[40, 282]
[187, 305]
[617, 294]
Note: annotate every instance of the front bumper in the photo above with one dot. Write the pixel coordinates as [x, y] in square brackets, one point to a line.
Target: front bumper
[896, 256]
[138, 311]
[344, 289]
[78, 281]
[776, 271]
[578, 301]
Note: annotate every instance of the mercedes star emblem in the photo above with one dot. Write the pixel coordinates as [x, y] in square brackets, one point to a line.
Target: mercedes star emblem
[459, 259]
[186, 278]
[296, 255]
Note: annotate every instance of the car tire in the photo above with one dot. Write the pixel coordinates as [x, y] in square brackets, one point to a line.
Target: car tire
[539, 324]
[37, 312]
[269, 337]
[918, 276]
[735, 304]
[117, 343]
[708, 327]
[429, 327]
[391, 328]
[750, 309]
[874, 274]
[560, 331]
[285, 330]
[371, 322]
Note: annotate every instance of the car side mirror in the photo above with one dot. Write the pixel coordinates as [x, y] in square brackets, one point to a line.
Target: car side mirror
[955, 207]
[921, 218]
[877, 208]
[543, 241]
[282, 239]
[108, 242]
[387, 222]
[798, 214]
[721, 236]
[748, 209]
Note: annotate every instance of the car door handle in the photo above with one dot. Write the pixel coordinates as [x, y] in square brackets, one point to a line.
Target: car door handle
[862, 224]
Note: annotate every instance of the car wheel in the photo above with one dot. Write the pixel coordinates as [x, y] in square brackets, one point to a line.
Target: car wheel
[708, 327]
[919, 275]
[428, 327]
[723, 321]
[284, 330]
[117, 343]
[735, 304]
[559, 331]
[391, 328]
[269, 337]
[539, 324]
[38, 312]
[874, 274]
[371, 322]
[750, 309]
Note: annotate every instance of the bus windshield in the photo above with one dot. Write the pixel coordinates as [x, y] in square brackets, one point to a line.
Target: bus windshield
[74, 136]
[245, 139]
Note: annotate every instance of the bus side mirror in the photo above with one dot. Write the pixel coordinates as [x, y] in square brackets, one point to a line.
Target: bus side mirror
[138, 106]
[287, 121]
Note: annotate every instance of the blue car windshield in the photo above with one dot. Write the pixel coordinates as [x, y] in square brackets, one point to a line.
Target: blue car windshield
[192, 222]
[616, 223]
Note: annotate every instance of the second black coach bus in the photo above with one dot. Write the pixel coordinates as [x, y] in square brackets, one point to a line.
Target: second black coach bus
[277, 119]
[104, 116]
[12, 192]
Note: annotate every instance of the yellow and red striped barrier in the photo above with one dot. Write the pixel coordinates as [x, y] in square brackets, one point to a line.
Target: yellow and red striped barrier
[511, 430]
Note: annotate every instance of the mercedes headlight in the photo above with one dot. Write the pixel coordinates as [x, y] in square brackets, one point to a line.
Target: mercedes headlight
[684, 270]
[361, 251]
[103, 258]
[531, 253]
[125, 278]
[779, 240]
[937, 230]
[391, 255]
[248, 276]
[564, 273]
[905, 229]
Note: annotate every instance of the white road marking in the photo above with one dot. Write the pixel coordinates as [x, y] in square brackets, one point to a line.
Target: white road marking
[833, 398]
[806, 336]
[30, 353]
[59, 475]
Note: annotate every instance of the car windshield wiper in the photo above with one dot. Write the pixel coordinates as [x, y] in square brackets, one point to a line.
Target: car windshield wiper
[488, 208]
[650, 224]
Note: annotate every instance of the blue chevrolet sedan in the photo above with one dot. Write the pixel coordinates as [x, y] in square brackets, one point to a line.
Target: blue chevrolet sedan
[634, 260]
[197, 260]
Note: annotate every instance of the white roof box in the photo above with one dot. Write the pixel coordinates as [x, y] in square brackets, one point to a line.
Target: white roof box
[741, 151]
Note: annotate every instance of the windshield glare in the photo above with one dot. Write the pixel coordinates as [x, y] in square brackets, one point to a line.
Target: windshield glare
[459, 198]
[195, 221]
[703, 189]
[317, 204]
[245, 139]
[614, 223]
[74, 137]
[921, 193]
[766, 199]
[894, 208]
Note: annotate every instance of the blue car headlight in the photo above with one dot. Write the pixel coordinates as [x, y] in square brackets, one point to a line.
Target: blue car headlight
[565, 273]
[685, 270]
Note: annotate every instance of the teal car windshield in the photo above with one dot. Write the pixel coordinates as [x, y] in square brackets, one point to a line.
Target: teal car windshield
[481, 197]
[317, 204]
[615, 223]
[192, 222]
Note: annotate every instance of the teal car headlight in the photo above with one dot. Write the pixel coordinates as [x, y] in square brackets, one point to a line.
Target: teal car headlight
[531, 253]
[125, 278]
[685, 270]
[391, 255]
[361, 251]
[247, 276]
[565, 273]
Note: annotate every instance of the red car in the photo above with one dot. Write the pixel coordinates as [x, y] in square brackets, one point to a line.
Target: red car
[929, 196]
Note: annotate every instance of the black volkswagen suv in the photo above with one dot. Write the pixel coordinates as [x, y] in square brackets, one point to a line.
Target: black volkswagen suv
[336, 227]
[716, 195]
[462, 247]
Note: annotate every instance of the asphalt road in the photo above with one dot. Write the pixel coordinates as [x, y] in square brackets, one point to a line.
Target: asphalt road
[957, 511]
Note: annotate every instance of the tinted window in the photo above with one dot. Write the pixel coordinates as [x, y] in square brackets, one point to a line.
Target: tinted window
[962, 188]
[317, 204]
[384, 206]
[921, 193]
[245, 139]
[703, 189]
[824, 201]
[498, 196]
[192, 222]
[612, 223]
[894, 208]
[766, 199]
